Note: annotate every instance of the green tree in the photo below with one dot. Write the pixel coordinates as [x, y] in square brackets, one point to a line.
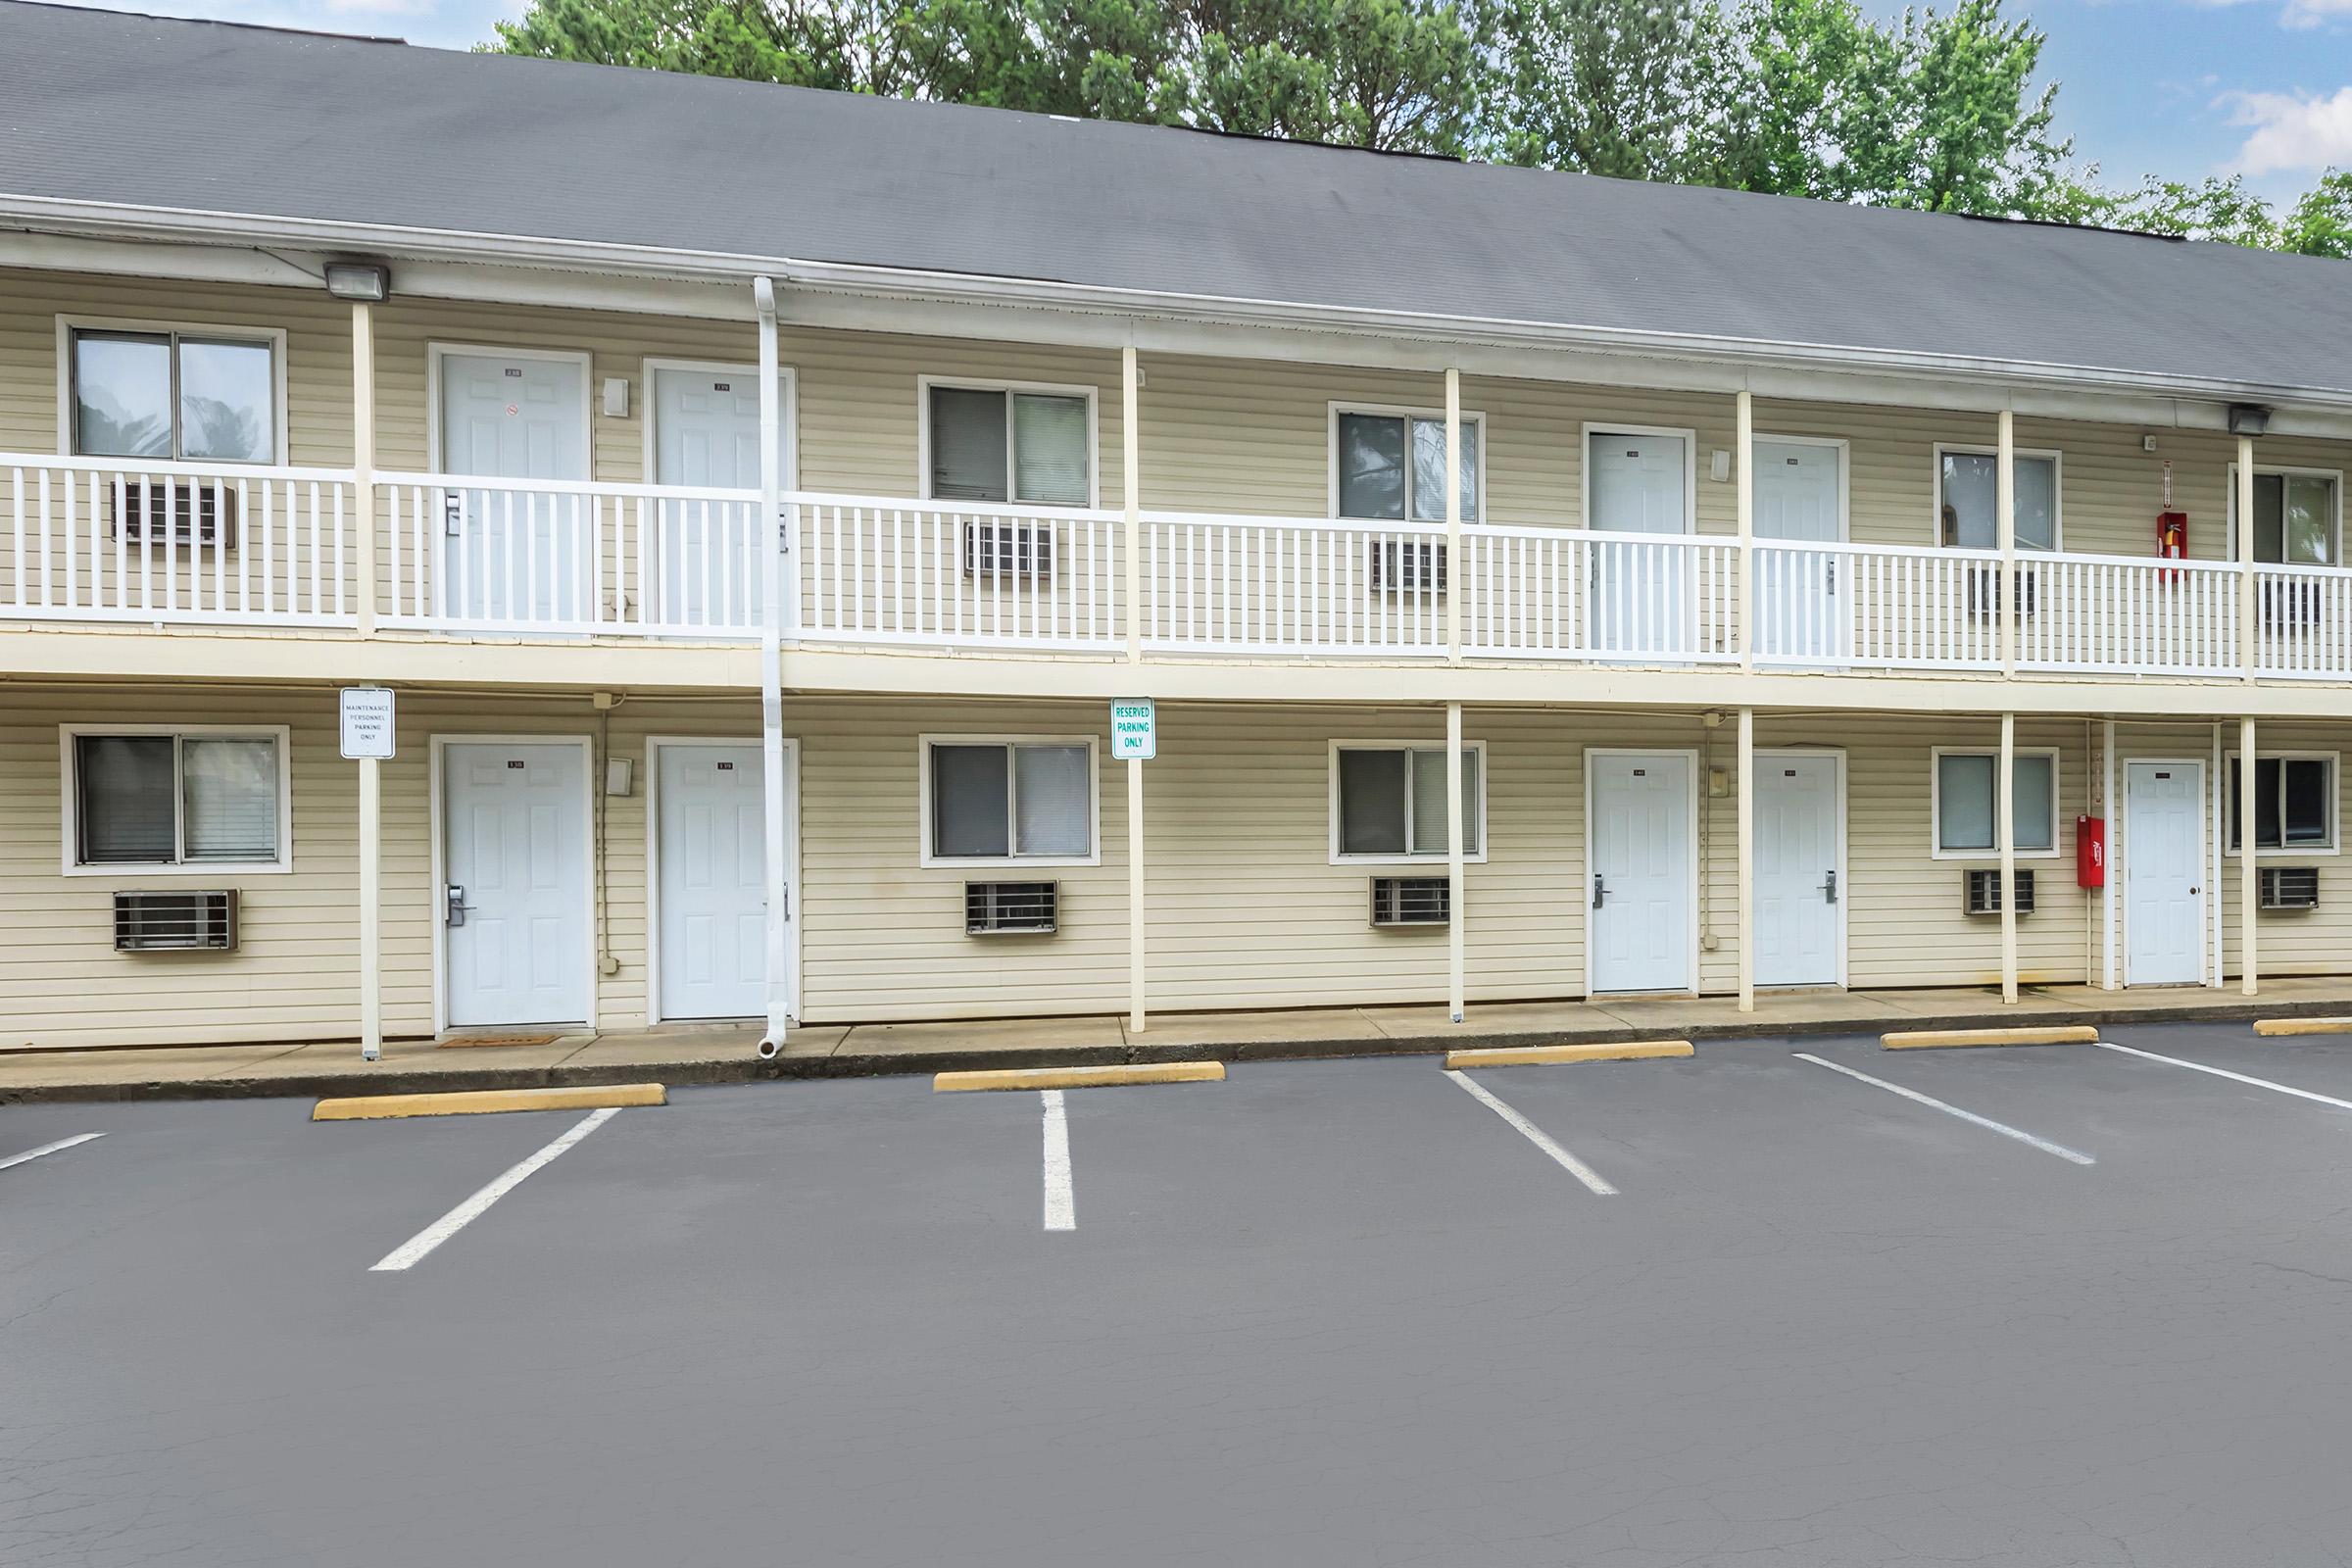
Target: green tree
[1612, 87]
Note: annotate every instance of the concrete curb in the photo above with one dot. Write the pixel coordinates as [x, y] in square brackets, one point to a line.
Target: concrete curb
[869, 1064]
[1069, 1077]
[2303, 1026]
[487, 1102]
[1544, 1056]
[2067, 1034]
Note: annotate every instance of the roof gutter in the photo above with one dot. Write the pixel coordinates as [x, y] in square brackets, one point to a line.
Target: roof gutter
[118, 220]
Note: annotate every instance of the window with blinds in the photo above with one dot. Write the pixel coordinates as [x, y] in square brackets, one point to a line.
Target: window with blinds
[1012, 801]
[1391, 801]
[992, 444]
[1965, 795]
[177, 800]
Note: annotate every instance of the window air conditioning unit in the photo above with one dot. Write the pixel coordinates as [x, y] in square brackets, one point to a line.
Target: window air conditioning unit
[994, 550]
[1411, 901]
[2291, 886]
[1408, 566]
[182, 511]
[1010, 908]
[176, 922]
[2289, 606]
[1982, 891]
[1984, 589]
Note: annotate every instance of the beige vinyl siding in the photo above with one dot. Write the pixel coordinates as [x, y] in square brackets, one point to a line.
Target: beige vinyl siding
[1246, 908]
[1219, 436]
[2292, 942]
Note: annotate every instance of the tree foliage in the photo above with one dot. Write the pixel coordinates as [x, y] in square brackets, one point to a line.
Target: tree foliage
[1935, 110]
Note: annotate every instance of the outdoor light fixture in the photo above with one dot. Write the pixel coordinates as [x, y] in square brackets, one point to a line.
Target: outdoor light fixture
[364, 281]
[2248, 419]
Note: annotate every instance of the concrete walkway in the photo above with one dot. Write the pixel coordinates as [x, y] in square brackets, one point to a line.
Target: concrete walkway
[689, 1056]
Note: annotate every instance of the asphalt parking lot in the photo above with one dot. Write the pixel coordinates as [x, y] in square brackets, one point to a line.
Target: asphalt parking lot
[1743, 1307]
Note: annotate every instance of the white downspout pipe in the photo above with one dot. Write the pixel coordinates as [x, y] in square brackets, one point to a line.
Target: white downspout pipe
[771, 678]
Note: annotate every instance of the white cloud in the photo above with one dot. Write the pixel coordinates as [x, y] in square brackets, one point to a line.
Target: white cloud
[2293, 130]
[2314, 13]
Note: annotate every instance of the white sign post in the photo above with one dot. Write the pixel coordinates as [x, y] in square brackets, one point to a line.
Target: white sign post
[371, 739]
[1134, 731]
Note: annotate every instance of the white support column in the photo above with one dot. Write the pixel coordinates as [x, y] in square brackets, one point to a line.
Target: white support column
[1136, 1021]
[362, 459]
[1744, 467]
[2215, 838]
[2005, 815]
[1747, 841]
[2005, 516]
[2247, 629]
[371, 904]
[1131, 484]
[1456, 576]
[1456, 904]
[776, 830]
[2114, 820]
[1131, 491]
[2249, 879]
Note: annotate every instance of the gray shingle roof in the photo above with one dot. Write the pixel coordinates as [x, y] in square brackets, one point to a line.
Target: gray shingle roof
[110, 108]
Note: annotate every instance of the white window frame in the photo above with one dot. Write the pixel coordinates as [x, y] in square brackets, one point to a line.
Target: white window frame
[2289, 472]
[1397, 411]
[1838, 444]
[1935, 848]
[787, 387]
[962, 384]
[2287, 851]
[273, 338]
[1584, 466]
[435, 352]
[1966, 449]
[69, 802]
[924, 816]
[1486, 828]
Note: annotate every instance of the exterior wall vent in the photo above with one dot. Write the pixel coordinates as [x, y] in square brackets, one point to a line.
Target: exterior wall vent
[1982, 891]
[1411, 901]
[169, 923]
[1010, 908]
[2291, 886]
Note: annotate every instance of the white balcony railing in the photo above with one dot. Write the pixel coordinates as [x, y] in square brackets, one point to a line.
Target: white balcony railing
[2303, 622]
[1550, 592]
[1283, 585]
[2118, 615]
[106, 539]
[957, 574]
[547, 556]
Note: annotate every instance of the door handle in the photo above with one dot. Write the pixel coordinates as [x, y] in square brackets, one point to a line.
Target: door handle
[1829, 889]
[1600, 891]
[455, 907]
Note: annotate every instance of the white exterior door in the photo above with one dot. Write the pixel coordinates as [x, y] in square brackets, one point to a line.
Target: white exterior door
[514, 910]
[1641, 906]
[2164, 873]
[706, 436]
[1801, 925]
[710, 835]
[507, 558]
[1801, 499]
[1642, 602]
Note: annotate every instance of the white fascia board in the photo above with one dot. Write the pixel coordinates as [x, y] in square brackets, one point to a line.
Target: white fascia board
[1131, 315]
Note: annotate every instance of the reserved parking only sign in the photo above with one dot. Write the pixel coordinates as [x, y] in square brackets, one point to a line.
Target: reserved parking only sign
[1134, 732]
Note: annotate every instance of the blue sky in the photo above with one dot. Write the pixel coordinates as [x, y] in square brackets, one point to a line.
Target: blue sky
[2182, 88]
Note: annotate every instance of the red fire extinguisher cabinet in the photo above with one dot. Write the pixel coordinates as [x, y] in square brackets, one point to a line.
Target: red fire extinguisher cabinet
[2090, 851]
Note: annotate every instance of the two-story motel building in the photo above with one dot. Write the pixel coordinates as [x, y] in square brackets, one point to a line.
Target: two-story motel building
[1548, 586]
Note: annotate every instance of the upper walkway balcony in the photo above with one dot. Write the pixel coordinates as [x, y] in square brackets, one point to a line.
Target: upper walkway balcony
[165, 544]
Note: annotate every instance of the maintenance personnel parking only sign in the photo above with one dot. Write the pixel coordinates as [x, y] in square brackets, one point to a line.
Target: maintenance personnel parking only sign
[1134, 732]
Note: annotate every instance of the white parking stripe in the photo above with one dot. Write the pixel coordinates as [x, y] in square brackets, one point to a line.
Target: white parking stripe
[1535, 1135]
[1061, 1202]
[1986, 1122]
[418, 1246]
[48, 1149]
[2237, 1077]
